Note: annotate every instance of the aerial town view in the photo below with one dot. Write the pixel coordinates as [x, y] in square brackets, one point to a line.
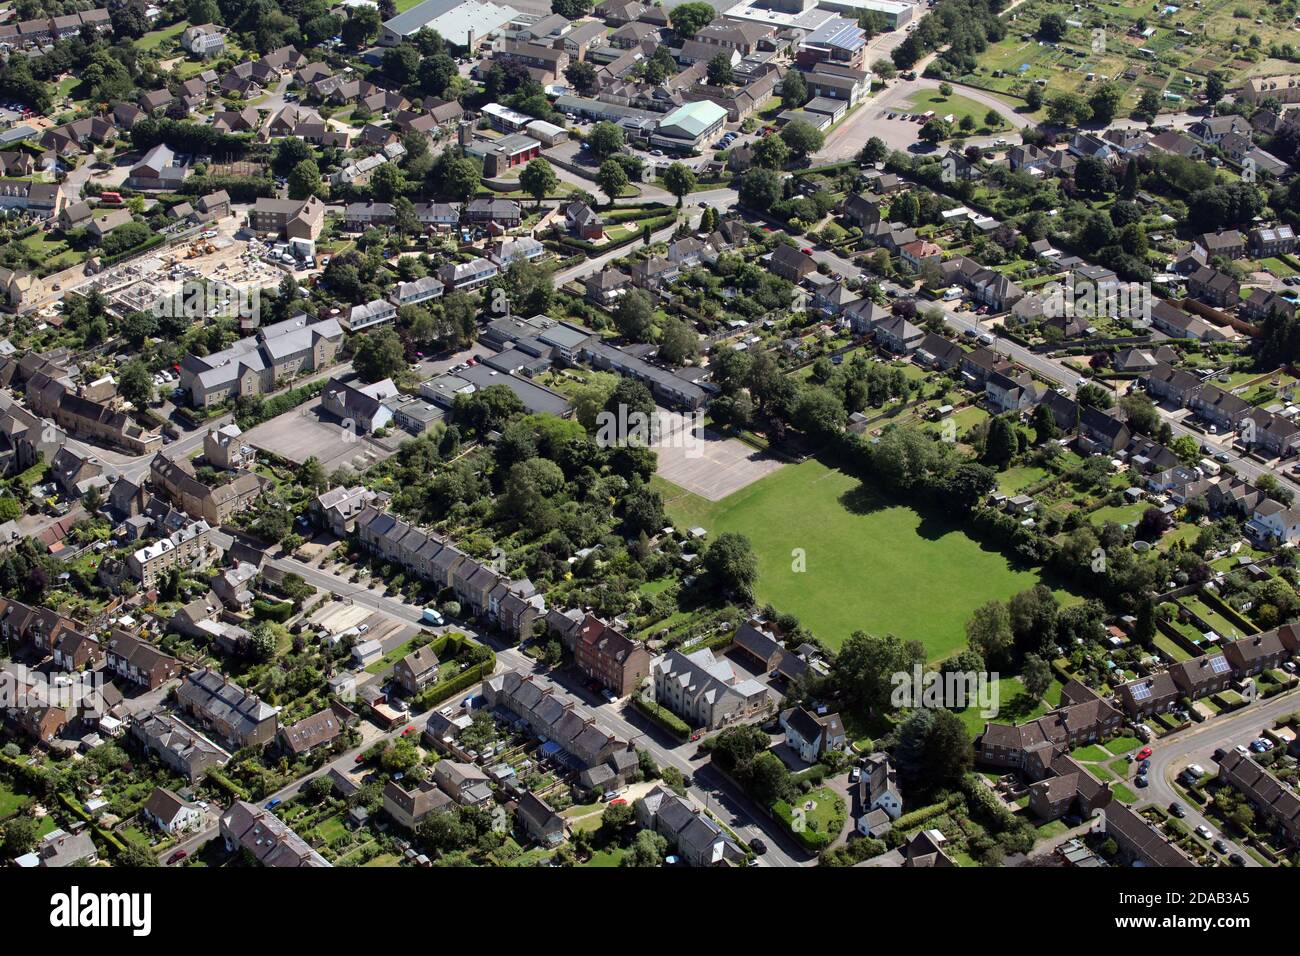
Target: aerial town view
[693, 434]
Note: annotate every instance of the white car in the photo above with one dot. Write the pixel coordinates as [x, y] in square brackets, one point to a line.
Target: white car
[361, 629]
[1204, 831]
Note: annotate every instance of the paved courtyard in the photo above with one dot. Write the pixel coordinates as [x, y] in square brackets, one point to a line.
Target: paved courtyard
[709, 464]
[303, 432]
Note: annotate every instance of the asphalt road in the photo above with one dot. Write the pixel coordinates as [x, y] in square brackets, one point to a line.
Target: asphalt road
[1197, 745]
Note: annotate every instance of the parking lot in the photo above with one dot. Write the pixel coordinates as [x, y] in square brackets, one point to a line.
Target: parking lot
[709, 464]
[311, 431]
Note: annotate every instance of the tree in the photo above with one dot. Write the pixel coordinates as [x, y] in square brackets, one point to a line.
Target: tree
[730, 561]
[992, 119]
[1051, 26]
[401, 64]
[862, 673]
[988, 632]
[304, 180]
[759, 188]
[945, 90]
[1068, 109]
[1001, 444]
[634, 316]
[803, 138]
[312, 475]
[361, 26]
[679, 180]
[949, 753]
[581, 76]
[1104, 101]
[20, 836]
[648, 849]
[1036, 675]
[571, 9]
[387, 183]
[1214, 88]
[1034, 97]
[770, 152]
[1044, 423]
[935, 131]
[718, 71]
[794, 91]
[874, 151]
[135, 856]
[1148, 104]
[678, 341]
[538, 179]
[612, 179]
[689, 19]
[605, 140]
[135, 384]
[378, 355]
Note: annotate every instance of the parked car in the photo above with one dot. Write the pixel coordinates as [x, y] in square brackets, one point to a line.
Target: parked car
[1177, 809]
[177, 857]
[1221, 845]
[273, 803]
[1236, 859]
[1144, 753]
[758, 846]
[1141, 780]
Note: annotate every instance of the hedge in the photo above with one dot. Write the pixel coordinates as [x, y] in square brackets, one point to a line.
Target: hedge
[278, 611]
[909, 821]
[440, 691]
[225, 783]
[664, 717]
[813, 840]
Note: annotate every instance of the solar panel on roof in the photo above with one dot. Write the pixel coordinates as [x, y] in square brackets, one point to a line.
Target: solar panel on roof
[1141, 692]
[1219, 664]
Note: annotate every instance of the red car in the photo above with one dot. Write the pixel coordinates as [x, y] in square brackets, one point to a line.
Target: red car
[617, 802]
[408, 730]
[696, 736]
[1144, 753]
[360, 758]
[177, 857]
[807, 250]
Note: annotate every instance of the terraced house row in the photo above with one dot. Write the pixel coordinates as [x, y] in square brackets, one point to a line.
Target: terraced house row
[512, 605]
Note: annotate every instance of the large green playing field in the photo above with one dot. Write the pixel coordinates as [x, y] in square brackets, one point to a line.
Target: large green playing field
[871, 564]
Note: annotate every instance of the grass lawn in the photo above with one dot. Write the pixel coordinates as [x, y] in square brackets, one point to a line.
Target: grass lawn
[10, 802]
[604, 858]
[957, 105]
[1014, 705]
[385, 859]
[1015, 480]
[1093, 752]
[872, 564]
[1122, 745]
[393, 656]
[156, 38]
